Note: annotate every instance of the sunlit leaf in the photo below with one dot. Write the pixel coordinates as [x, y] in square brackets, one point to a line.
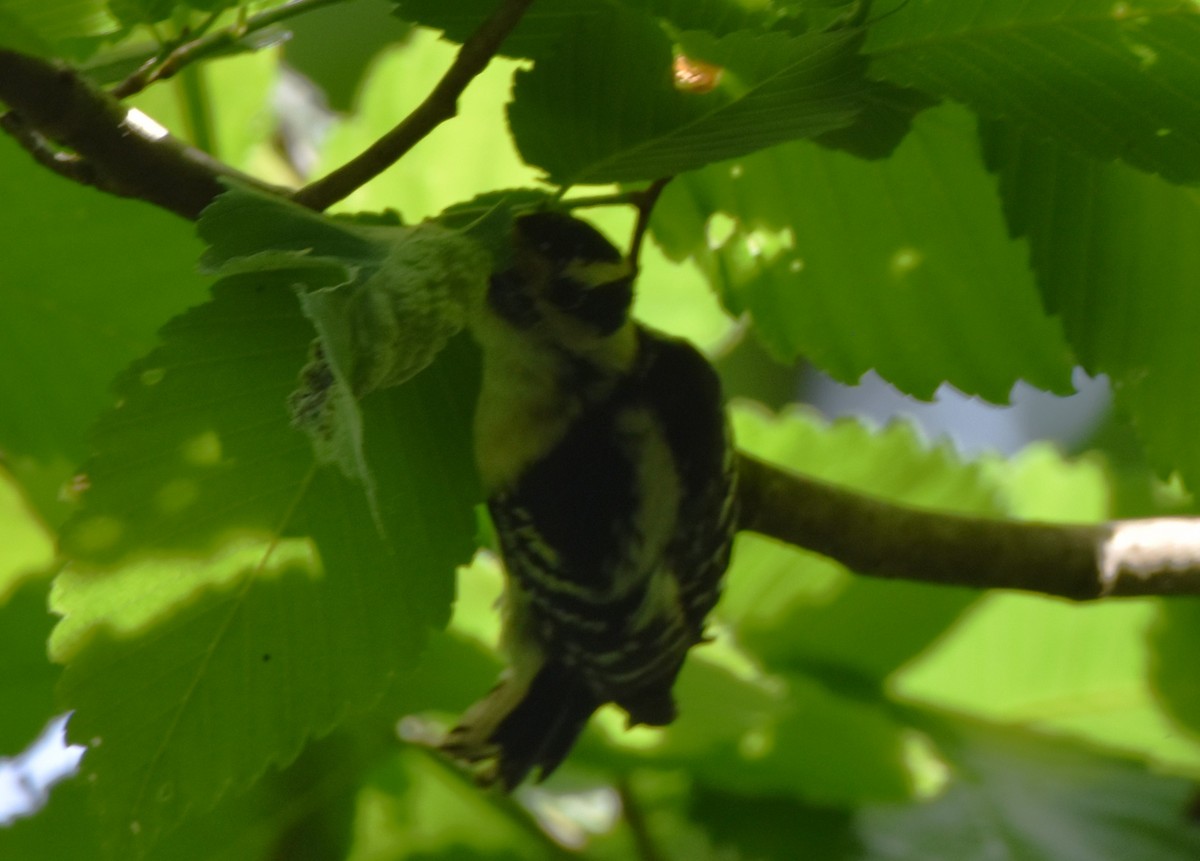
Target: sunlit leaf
[70, 26]
[1115, 80]
[1017, 794]
[900, 266]
[1173, 642]
[1115, 259]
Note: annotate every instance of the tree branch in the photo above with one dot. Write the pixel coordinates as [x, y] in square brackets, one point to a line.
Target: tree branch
[1159, 556]
[120, 151]
[117, 149]
[440, 105]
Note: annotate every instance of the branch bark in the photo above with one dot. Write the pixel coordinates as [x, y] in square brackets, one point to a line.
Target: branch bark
[117, 149]
[1159, 556]
[120, 151]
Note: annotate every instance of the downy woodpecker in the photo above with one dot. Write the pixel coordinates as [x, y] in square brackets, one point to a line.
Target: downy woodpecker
[609, 472]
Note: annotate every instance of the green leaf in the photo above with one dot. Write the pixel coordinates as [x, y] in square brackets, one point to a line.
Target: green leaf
[817, 745]
[69, 26]
[202, 451]
[1115, 260]
[760, 826]
[242, 223]
[18, 35]
[62, 829]
[536, 34]
[584, 119]
[132, 12]
[333, 46]
[223, 643]
[1021, 795]
[200, 443]
[87, 280]
[218, 5]
[305, 801]
[243, 676]
[1173, 643]
[422, 808]
[28, 548]
[1115, 80]
[718, 17]
[1055, 667]
[27, 677]
[239, 680]
[542, 26]
[900, 265]
[384, 300]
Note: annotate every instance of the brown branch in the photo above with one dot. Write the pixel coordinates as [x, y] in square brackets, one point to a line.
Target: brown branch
[880, 539]
[645, 201]
[440, 105]
[108, 145]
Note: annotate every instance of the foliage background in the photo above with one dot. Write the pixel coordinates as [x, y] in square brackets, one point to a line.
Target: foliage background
[238, 643]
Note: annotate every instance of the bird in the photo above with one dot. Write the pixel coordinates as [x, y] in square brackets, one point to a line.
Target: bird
[609, 469]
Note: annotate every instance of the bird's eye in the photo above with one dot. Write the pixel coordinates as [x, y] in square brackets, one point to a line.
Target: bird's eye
[561, 238]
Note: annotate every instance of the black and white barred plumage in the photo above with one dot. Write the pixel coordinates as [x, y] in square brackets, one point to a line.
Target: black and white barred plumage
[608, 465]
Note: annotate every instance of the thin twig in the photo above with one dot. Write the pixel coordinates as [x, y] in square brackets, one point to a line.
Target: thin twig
[647, 848]
[440, 105]
[645, 206]
[179, 56]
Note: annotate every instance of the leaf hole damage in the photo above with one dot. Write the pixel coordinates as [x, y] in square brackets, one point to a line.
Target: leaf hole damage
[695, 76]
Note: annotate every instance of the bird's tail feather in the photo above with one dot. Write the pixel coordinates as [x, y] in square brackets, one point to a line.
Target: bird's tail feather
[520, 727]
